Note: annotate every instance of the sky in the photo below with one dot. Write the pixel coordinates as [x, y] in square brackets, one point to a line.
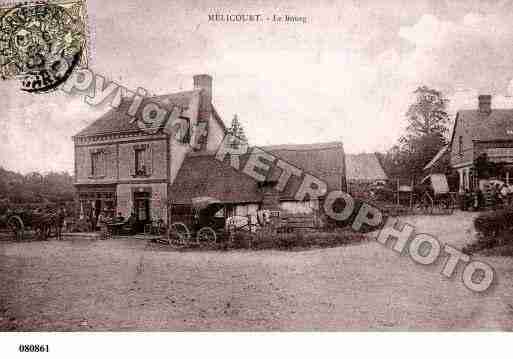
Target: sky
[347, 74]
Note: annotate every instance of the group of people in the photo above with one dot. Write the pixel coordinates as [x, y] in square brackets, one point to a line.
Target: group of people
[497, 192]
[47, 218]
[104, 221]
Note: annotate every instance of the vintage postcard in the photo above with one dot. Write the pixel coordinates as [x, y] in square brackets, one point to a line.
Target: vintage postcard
[255, 166]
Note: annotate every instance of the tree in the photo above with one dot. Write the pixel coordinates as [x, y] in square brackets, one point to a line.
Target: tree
[34, 187]
[237, 131]
[428, 114]
[419, 150]
[425, 135]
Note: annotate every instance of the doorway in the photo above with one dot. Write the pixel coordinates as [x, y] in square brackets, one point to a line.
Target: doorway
[142, 209]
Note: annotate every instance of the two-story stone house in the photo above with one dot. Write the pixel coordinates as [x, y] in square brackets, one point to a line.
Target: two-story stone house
[484, 130]
[119, 167]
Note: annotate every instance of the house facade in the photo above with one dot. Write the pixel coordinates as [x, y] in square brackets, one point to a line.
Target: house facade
[481, 131]
[121, 167]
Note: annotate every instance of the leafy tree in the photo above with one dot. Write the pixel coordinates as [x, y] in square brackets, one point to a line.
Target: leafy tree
[417, 151]
[425, 135]
[428, 114]
[35, 188]
[237, 131]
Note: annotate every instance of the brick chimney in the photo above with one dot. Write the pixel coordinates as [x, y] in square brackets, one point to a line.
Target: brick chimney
[204, 82]
[485, 104]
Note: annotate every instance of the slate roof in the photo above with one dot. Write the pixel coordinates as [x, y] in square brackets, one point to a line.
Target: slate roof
[203, 175]
[117, 120]
[494, 127]
[364, 167]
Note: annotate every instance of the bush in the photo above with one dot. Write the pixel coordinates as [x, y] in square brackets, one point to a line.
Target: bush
[241, 239]
[289, 241]
[493, 228]
[279, 241]
[493, 223]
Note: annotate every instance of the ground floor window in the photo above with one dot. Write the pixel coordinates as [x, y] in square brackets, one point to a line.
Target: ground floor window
[93, 202]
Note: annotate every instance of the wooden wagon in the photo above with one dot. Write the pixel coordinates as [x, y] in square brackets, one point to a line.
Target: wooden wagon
[432, 195]
[17, 223]
[196, 222]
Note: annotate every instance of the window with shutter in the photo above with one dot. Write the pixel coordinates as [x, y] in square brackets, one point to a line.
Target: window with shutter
[131, 164]
[142, 160]
[149, 160]
[140, 165]
[91, 163]
[98, 163]
[104, 162]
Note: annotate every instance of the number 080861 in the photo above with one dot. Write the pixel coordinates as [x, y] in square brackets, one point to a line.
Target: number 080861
[33, 348]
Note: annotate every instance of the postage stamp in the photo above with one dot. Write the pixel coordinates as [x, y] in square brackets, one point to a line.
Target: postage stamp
[41, 42]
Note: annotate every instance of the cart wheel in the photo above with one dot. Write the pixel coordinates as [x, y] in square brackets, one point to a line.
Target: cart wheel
[206, 235]
[427, 203]
[452, 206]
[178, 232]
[443, 206]
[422, 206]
[42, 231]
[16, 226]
[53, 230]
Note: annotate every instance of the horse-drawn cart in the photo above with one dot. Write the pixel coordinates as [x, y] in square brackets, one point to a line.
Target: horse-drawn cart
[432, 196]
[205, 220]
[17, 223]
[197, 222]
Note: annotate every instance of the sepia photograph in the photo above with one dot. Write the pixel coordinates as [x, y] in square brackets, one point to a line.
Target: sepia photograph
[254, 166]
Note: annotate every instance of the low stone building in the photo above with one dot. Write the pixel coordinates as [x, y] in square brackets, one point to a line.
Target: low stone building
[203, 175]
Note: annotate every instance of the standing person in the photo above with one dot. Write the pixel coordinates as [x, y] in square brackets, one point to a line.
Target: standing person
[104, 220]
[119, 218]
[61, 214]
[92, 219]
[132, 222]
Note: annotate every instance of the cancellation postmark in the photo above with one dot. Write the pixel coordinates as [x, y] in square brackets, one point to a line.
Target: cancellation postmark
[41, 42]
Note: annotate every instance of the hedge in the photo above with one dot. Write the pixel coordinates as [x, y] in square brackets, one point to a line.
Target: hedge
[282, 241]
[493, 229]
[493, 223]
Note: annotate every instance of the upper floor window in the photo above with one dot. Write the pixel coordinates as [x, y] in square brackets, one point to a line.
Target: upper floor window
[97, 163]
[140, 167]
[142, 160]
[460, 145]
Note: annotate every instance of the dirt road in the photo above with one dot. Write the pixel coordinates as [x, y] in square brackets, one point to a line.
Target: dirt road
[128, 285]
